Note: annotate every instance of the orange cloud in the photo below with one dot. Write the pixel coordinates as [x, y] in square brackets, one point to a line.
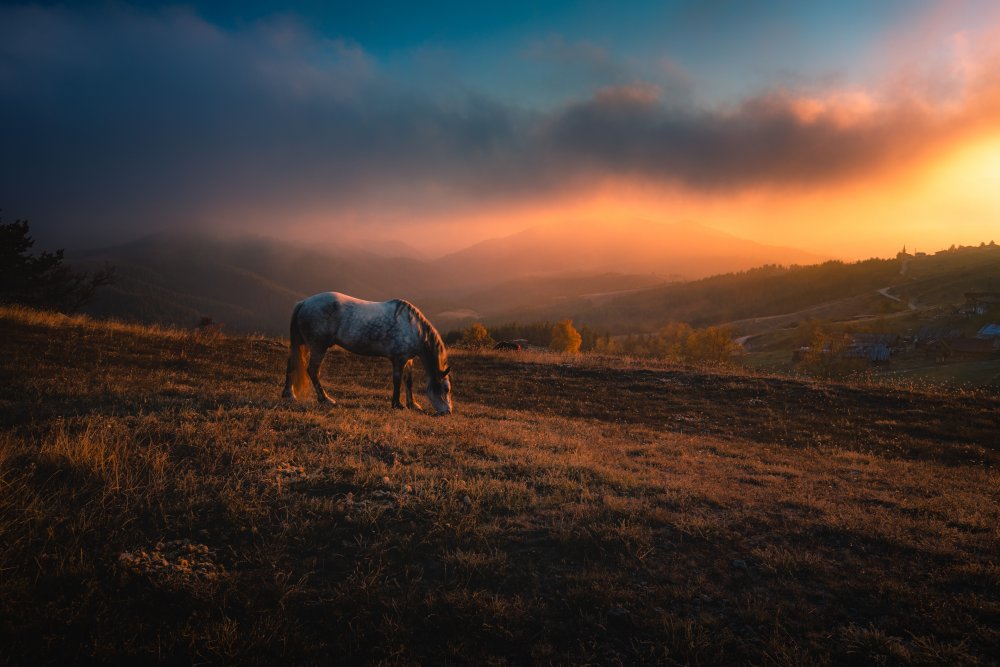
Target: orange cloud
[843, 108]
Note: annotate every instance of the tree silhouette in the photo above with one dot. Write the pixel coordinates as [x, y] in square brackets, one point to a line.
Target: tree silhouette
[42, 281]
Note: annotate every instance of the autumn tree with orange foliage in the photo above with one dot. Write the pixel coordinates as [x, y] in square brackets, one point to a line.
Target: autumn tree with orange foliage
[476, 337]
[565, 337]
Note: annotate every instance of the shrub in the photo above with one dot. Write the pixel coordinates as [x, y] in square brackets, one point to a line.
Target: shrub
[712, 345]
[476, 337]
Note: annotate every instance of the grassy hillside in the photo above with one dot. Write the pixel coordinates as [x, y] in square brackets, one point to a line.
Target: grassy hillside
[944, 277]
[761, 292]
[835, 290]
[158, 502]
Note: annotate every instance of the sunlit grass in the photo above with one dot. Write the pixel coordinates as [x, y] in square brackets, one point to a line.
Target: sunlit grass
[157, 499]
[53, 320]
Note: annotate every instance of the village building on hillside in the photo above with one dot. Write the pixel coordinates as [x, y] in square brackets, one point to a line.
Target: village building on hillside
[875, 347]
[989, 331]
[981, 303]
[942, 343]
[986, 344]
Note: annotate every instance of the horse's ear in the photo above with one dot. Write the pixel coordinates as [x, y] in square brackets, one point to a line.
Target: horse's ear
[445, 372]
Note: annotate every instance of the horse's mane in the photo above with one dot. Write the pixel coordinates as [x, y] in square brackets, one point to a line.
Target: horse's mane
[432, 339]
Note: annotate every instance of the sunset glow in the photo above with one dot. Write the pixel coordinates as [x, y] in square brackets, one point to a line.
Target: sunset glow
[842, 132]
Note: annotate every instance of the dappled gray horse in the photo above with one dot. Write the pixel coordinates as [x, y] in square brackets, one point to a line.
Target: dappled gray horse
[393, 329]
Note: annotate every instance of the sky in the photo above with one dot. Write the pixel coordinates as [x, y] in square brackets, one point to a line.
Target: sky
[847, 128]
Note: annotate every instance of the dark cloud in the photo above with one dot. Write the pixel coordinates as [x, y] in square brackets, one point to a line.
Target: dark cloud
[764, 142]
[119, 119]
[133, 119]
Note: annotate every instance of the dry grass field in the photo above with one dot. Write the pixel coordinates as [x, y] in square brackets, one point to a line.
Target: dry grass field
[158, 502]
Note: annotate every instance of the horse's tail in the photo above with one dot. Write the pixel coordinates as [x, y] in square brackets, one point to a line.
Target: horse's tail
[298, 357]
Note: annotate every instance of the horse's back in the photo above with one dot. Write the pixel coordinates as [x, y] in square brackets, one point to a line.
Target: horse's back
[333, 306]
[333, 301]
[364, 327]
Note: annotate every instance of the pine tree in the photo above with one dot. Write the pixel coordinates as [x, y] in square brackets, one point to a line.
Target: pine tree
[42, 281]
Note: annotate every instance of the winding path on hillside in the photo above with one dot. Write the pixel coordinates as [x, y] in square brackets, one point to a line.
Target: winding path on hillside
[885, 292]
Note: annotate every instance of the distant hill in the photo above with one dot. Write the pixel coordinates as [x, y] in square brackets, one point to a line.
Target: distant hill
[943, 278]
[524, 298]
[247, 283]
[670, 251]
[250, 283]
[759, 292]
[832, 289]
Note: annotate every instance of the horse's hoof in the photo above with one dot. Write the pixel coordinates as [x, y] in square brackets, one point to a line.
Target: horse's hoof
[398, 406]
[414, 406]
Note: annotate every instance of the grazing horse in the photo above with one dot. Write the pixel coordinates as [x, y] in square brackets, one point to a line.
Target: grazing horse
[393, 329]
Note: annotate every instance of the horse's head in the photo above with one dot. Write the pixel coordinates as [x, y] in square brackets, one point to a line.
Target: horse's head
[439, 391]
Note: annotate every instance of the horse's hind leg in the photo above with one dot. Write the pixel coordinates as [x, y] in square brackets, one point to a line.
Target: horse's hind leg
[408, 379]
[315, 359]
[289, 374]
[397, 375]
[295, 375]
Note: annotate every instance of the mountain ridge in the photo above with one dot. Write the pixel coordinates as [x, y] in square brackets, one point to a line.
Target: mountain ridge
[685, 249]
[250, 282]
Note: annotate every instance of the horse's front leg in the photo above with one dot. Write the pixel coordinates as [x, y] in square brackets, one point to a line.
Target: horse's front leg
[315, 359]
[408, 379]
[397, 376]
